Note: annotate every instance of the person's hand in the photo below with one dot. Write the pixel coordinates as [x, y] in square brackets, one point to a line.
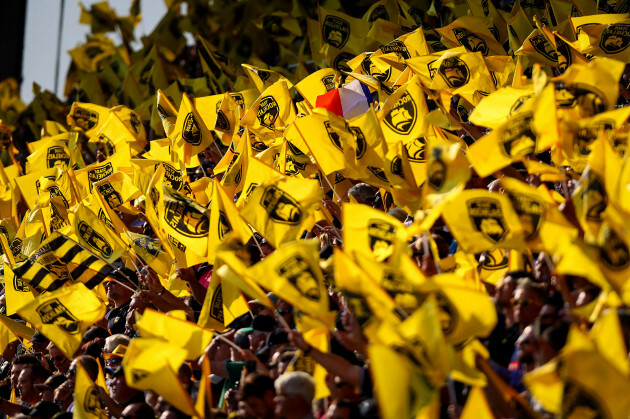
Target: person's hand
[101, 393]
[298, 341]
[149, 279]
[333, 208]
[351, 337]
[187, 274]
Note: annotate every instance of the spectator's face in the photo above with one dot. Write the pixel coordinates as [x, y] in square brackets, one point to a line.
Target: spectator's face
[256, 338]
[119, 390]
[59, 360]
[526, 307]
[63, 395]
[47, 395]
[15, 373]
[526, 345]
[25, 385]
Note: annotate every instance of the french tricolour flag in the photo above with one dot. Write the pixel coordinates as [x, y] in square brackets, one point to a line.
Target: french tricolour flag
[348, 101]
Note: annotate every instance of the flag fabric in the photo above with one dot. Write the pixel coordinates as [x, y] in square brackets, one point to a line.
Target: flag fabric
[64, 315]
[87, 404]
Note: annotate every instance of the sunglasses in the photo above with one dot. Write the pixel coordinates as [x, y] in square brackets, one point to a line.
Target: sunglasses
[523, 302]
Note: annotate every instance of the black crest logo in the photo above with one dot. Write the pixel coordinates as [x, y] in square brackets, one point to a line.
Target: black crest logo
[273, 25]
[531, 213]
[587, 135]
[596, 197]
[398, 48]
[105, 145]
[379, 12]
[222, 123]
[54, 312]
[135, 122]
[264, 75]
[173, 177]
[339, 178]
[151, 246]
[520, 101]
[101, 216]
[55, 192]
[396, 167]
[145, 74]
[402, 116]
[281, 206]
[184, 217]
[360, 142]
[369, 68]
[292, 166]
[381, 235]
[111, 196]
[16, 246]
[20, 285]
[615, 38]
[401, 290]
[294, 150]
[587, 97]
[359, 307]
[250, 190]
[329, 82]
[238, 98]
[56, 156]
[333, 135]
[95, 240]
[224, 225]
[268, 112]
[454, 71]
[416, 150]
[519, 138]
[336, 31]
[190, 131]
[216, 306]
[579, 402]
[300, 274]
[436, 174]
[487, 218]
[496, 260]
[379, 173]
[447, 313]
[614, 253]
[259, 146]
[85, 118]
[544, 47]
[93, 404]
[340, 63]
[470, 41]
[99, 173]
[564, 54]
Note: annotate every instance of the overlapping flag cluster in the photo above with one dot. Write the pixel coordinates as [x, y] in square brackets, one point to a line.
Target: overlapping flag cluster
[419, 102]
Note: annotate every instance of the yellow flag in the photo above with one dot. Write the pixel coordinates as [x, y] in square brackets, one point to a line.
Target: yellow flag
[16, 291]
[277, 208]
[212, 315]
[273, 111]
[151, 251]
[92, 233]
[183, 219]
[262, 78]
[532, 129]
[224, 218]
[472, 33]
[85, 177]
[184, 334]
[373, 233]
[292, 273]
[117, 189]
[87, 117]
[64, 315]
[87, 404]
[477, 406]
[482, 220]
[53, 153]
[167, 112]
[317, 338]
[152, 364]
[190, 135]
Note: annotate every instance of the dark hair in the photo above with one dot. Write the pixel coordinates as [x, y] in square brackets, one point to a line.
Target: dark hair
[26, 359]
[39, 372]
[256, 385]
[144, 410]
[557, 335]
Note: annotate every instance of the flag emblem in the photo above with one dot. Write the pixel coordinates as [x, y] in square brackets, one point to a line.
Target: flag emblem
[280, 206]
[487, 218]
[589, 98]
[579, 402]
[53, 312]
[93, 404]
[336, 31]
[328, 82]
[402, 116]
[544, 47]
[111, 196]
[298, 272]
[615, 38]
[530, 213]
[519, 138]
[268, 111]
[94, 239]
[216, 306]
[472, 42]
[381, 236]
[436, 175]
[224, 225]
[454, 71]
[588, 134]
[56, 156]
[416, 149]
[190, 131]
[361, 144]
[84, 118]
[378, 172]
[185, 219]
[614, 253]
